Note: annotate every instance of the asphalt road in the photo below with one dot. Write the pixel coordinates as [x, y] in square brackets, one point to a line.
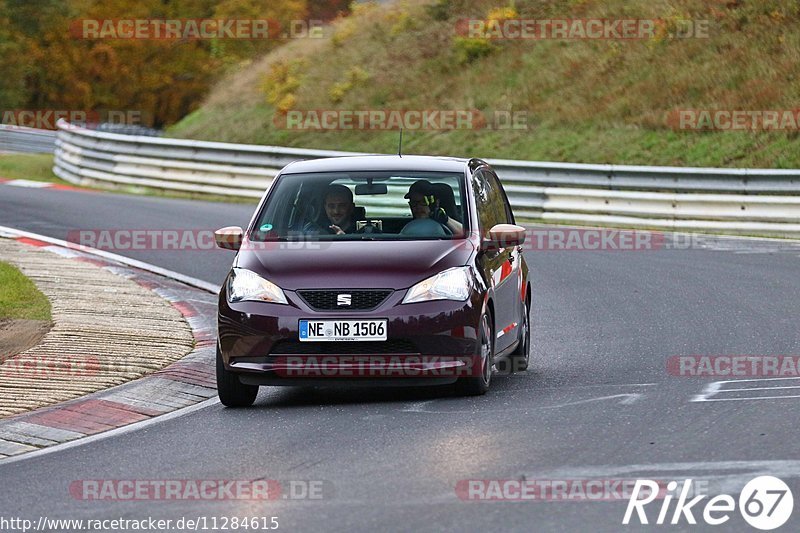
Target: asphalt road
[598, 402]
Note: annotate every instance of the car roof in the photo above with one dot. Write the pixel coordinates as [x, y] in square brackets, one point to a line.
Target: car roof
[378, 163]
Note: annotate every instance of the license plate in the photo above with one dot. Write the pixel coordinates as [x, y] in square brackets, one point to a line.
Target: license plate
[343, 330]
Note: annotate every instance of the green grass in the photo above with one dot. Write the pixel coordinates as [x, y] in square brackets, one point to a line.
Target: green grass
[20, 299]
[586, 101]
[34, 167]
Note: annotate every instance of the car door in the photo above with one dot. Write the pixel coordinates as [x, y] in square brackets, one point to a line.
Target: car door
[498, 265]
[514, 272]
[511, 273]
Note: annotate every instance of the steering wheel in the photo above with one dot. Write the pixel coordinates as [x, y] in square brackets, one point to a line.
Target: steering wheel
[369, 228]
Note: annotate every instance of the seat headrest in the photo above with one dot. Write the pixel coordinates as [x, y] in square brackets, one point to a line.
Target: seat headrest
[447, 199]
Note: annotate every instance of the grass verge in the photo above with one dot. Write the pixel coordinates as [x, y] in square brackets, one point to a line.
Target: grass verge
[34, 167]
[584, 100]
[20, 299]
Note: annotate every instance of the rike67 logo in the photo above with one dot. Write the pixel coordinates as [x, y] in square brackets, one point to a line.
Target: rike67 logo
[765, 503]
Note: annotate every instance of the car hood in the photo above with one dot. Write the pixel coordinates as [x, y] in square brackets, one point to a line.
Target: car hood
[351, 264]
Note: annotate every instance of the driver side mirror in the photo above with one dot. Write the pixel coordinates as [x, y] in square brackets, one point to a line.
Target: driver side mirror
[503, 236]
[229, 238]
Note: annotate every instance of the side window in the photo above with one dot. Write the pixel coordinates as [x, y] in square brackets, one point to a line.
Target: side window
[489, 197]
[495, 181]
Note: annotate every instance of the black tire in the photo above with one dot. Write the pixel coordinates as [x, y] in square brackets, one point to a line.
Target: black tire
[231, 391]
[477, 385]
[520, 357]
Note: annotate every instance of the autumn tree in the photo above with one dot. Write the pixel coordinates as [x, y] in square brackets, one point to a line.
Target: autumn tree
[46, 66]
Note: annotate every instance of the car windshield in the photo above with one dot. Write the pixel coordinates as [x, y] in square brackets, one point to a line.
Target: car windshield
[364, 206]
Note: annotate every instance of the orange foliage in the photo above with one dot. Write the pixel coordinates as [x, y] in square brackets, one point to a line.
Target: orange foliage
[162, 79]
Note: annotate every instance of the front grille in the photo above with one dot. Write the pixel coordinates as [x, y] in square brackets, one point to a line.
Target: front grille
[397, 346]
[328, 300]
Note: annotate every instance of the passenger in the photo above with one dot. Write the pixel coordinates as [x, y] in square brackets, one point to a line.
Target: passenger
[424, 204]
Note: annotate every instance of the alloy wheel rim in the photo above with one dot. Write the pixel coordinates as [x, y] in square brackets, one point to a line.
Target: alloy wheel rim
[527, 338]
[486, 348]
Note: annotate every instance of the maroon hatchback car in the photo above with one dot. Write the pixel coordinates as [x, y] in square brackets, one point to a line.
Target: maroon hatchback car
[401, 270]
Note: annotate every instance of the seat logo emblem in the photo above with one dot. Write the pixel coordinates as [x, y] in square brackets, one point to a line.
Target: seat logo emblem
[343, 299]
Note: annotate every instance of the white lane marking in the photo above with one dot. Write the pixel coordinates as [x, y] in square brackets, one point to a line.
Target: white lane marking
[188, 280]
[422, 407]
[112, 432]
[709, 391]
[760, 388]
[29, 184]
[758, 379]
[628, 399]
[749, 399]
[716, 388]
[727, 476]
[790, 466]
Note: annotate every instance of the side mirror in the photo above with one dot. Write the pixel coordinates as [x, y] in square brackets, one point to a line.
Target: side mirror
[229, 238]
[503, 236]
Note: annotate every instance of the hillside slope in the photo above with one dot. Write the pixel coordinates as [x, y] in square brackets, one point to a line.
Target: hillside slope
[594, 101]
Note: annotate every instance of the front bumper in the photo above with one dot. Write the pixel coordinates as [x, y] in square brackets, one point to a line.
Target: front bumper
[428, 342]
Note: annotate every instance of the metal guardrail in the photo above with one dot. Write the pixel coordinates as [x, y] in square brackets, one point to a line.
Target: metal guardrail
[21, 139]
[84, 156]
[34, 140]
[744, 201]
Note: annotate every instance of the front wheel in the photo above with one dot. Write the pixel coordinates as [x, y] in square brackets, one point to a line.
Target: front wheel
[477, 385]
[231, 391]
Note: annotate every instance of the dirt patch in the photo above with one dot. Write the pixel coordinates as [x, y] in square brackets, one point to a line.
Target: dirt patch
[18, 335]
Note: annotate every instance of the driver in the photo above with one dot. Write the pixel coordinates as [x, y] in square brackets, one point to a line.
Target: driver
[424, 204]
[339, 206]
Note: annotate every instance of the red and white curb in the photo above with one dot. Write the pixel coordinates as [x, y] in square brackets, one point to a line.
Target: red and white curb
[184, 383]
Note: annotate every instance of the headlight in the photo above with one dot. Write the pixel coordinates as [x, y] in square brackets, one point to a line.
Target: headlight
[450, 284]
[246, 285]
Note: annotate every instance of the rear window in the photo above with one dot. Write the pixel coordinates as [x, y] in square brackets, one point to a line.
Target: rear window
[364, 206]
